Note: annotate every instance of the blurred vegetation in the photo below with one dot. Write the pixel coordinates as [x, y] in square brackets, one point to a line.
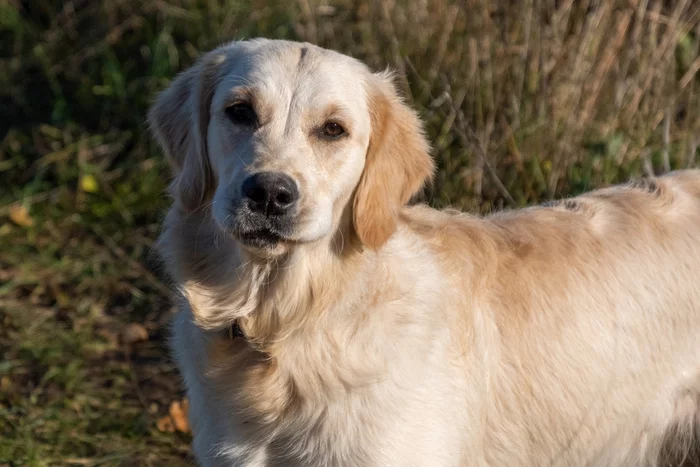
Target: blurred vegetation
[524, 101]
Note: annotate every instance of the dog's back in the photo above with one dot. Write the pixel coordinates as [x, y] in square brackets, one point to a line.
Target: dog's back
[596, 302]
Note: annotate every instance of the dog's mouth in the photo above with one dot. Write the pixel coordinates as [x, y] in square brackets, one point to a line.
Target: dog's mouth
[260, 238]
[259, 232]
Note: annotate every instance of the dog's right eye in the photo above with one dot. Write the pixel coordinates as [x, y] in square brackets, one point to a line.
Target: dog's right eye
[242, 114]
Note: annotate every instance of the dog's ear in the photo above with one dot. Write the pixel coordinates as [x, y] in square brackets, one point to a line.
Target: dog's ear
[397, 164]
[179, 119]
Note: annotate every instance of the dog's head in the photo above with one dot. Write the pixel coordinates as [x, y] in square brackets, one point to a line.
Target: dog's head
[280, 138]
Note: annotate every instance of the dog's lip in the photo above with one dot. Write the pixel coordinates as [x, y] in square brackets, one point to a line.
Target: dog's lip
[260, 237]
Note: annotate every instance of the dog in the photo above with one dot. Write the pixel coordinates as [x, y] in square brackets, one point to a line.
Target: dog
[325, 322]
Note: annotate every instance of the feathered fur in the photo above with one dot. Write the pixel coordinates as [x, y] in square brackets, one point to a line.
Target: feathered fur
[388, 335]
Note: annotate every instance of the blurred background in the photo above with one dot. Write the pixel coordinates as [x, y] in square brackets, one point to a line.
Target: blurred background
[524, 101]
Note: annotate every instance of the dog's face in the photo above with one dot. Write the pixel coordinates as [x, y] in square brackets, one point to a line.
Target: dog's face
[277, 137]
[287, 140]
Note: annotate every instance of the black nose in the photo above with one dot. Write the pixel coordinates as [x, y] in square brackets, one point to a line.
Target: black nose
[270, 193]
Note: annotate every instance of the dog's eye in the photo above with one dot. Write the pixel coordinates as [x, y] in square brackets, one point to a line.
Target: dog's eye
[332, 130]
[242, 114]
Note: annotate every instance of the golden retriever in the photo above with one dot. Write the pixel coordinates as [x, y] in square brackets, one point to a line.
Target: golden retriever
[323, 322]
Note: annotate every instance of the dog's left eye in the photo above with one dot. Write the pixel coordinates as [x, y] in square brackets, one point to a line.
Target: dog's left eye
[332, 130]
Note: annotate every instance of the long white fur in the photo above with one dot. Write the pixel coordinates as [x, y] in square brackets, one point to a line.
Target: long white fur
[387, 335]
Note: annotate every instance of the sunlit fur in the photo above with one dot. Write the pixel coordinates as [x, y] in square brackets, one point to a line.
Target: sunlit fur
[387, 335]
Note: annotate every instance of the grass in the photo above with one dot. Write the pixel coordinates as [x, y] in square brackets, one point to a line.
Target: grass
[524, 101]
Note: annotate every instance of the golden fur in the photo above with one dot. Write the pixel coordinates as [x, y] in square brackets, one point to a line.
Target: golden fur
[388, 335]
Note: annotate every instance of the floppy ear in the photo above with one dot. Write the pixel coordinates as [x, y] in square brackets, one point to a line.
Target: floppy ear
[179, 119]
[397, 165]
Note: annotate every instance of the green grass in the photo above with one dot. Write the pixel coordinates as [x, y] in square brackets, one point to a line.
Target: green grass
[523, 102]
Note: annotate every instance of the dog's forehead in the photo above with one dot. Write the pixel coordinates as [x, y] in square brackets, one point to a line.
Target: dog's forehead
[281, 68]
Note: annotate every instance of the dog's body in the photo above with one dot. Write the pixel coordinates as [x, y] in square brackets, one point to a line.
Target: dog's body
[330, 325]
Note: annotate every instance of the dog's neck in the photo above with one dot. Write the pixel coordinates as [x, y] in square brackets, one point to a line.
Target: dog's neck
[267, 298]
[281, 296]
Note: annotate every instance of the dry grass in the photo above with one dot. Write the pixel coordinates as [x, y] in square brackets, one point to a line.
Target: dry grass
[524, 101]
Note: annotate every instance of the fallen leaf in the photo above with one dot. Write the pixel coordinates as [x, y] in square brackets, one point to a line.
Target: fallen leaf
[178, 414]
[133, 333]
[5, 384]
[20, 216]
[165, 424]
[89, 183]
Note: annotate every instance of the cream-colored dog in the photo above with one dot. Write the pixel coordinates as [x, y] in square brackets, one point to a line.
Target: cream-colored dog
[325, 323]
